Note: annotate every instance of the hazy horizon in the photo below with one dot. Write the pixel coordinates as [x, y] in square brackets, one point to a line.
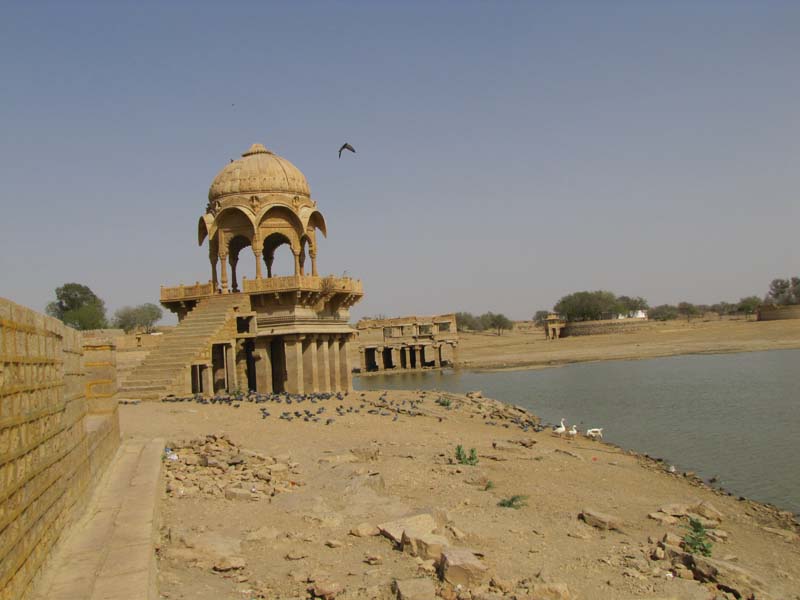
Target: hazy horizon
[507, 154]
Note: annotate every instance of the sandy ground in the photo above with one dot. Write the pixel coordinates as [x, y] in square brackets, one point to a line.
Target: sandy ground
[527, 348]
[291, 530]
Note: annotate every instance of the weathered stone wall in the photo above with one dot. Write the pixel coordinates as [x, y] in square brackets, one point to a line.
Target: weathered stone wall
[771, 312]
[52, 447]
[579, 328]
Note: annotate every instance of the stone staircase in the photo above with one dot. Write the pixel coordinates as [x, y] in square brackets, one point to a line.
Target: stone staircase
[165, 369]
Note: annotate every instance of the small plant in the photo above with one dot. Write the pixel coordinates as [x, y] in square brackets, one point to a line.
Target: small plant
[442, 401]
[515, 502]
[489, 486]
[696, 539]
[463, 459]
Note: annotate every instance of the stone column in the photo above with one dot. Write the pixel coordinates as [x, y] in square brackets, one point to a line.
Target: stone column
[379, 359]
[257, 248]
[344, 360]
[395, 358]
[311, 376]
[437, 356]
[241, 365]
[335, 359]
[234, 261]
[406, 358]
[362, 352]
[223, 265]
[263, 364]
[230, 367]
[205, 376]
[313, 255]
[324, 363]
[294, 364]
[212, 257]
[454, 352]
[297, 268]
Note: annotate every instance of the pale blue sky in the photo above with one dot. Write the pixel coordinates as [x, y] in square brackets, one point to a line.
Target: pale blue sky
[508, 153]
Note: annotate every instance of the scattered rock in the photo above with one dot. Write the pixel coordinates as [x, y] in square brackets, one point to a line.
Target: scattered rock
[414, 589]
[234, 493]
[334, 544]
[707, 510]
[676, 510]
[460, 566]
[262, 533]
[428, 546]
[550, 591]
[789, 536]
[326, 590]
[230, 563]
[365, 530]
[296, 555]
[418, 524]
[373, 559]
[663, 518]
[600, 520]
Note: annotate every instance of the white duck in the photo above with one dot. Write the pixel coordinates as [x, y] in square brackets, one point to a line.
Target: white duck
[595, 433]
[572, 432]
[560, 429]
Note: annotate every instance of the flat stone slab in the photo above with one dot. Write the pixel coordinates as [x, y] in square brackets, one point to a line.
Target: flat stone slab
[109, 554]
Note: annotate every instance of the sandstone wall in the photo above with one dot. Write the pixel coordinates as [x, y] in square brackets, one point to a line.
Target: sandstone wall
[54, 443]
[771, 312]
[603, 327]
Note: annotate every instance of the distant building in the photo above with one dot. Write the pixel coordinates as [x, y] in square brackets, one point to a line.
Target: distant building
[634, 314]
[407, 342]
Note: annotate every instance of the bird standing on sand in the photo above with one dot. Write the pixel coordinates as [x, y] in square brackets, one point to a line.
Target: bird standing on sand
[346, 146]
[560, 429]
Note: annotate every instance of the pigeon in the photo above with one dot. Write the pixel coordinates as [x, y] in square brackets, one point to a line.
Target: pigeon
[346, 146]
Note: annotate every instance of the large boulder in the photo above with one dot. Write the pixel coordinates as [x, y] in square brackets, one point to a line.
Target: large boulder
[418, 524]
[460, 566]
[415, 589]
[600, 520]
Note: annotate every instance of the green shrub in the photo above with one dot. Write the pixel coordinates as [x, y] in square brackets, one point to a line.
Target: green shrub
[489, 486]
[446, 402]
[696, 539]
[515, 502]
[463, 459]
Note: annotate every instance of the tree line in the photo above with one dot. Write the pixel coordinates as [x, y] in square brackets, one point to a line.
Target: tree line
[488, 321]
[80, 308]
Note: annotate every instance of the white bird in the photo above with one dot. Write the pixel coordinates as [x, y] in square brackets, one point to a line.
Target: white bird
[561, 429]
[572, 432]
[595, 434]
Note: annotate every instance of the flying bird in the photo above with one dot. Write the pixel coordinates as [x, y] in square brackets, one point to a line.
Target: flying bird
[346, 146]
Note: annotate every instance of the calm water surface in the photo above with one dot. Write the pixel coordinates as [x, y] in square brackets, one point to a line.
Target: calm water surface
[736, 416]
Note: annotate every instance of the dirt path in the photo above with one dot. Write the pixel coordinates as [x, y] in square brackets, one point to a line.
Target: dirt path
[302, 487]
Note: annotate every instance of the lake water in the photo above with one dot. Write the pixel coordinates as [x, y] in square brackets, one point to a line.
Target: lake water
[734, 416]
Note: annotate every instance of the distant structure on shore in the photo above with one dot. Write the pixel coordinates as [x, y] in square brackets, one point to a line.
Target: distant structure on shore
[778, 312]
[407, 343]
[269, 333]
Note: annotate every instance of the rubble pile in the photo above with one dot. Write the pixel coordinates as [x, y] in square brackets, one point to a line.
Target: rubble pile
[216, 467]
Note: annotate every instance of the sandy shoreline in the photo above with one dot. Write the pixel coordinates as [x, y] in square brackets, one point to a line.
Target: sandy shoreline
[386, 455]
[527, 349]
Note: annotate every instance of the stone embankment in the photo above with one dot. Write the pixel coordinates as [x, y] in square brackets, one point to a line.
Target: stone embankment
[380, 503]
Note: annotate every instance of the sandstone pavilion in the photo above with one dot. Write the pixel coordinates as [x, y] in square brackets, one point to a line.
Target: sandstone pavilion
[264, 332]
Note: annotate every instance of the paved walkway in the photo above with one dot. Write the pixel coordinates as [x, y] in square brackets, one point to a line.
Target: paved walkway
[109, 553]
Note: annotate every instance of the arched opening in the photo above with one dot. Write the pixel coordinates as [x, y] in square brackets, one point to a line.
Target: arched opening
[235, 246]
[281, 262]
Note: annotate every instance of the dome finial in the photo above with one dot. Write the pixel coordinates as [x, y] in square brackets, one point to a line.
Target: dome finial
[256, 149]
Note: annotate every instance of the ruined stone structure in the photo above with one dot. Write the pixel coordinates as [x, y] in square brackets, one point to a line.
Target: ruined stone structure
[407, 342]
[267, 333]
[774, 312]
[58, 430]
[553, 325]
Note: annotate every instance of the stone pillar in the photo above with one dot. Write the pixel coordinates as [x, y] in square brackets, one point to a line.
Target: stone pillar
[212, 257]
[335, 360]
[437, 356]
[223, 265]
[310, 374]
[234, 261]
[324, 363]
[454, 352]
[257, 248]
[208, 384]
[293, 345]
[406, 358]
[297, 269]
[344, 360]
[379, 358]
[241, 365]
[313, 254]
[395, 358]
[263, 364]
[362, 352]
[230, 367]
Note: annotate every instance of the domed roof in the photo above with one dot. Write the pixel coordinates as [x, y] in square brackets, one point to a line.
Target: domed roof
[258, 171]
